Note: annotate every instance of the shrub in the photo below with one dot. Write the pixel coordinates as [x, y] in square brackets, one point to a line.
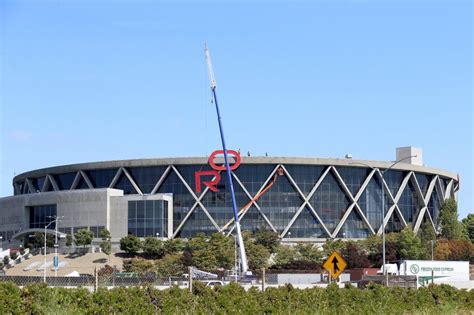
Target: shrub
[354, 256]
[10, 299]
[375, 299]
[139, 265]
[130, 244]
[454, 250]
[174, 245]
[269, 239]
[83, 237]
[170, 265]
[105, 271]
[106, 247]
[153, 247]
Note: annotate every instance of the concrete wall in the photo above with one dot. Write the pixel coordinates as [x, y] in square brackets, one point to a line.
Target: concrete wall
[79, 208]
[300, 278]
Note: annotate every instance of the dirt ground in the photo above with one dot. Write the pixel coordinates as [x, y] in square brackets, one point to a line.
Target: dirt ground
[82, 263]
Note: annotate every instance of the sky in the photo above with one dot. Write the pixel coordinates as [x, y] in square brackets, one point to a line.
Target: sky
[103, 80]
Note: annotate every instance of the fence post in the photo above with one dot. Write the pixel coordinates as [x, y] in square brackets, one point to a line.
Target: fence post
[113, 275]
[96, 284]
[190, 275]
[263, 279]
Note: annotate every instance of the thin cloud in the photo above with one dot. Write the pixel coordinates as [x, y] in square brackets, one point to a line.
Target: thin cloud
[21, 135]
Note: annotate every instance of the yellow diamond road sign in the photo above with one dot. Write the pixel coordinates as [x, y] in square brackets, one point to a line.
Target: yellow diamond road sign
[335, 265]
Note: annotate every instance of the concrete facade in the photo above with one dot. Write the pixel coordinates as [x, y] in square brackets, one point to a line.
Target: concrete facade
[313, 198]
[98, 208]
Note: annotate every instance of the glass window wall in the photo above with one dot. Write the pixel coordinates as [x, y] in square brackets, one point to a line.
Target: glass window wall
[41, 216]
[147, 218]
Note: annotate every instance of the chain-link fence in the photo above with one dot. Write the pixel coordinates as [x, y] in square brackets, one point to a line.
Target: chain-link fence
[80, 281]
[134, 279]
[119, 279]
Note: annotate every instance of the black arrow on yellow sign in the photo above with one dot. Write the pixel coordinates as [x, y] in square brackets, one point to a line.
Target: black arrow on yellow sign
[335, 262]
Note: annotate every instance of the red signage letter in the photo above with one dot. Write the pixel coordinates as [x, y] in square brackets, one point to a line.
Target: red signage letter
[211, 183]
[222, 167]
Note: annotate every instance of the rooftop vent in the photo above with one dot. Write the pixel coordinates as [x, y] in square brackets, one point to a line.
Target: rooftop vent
[408, 153]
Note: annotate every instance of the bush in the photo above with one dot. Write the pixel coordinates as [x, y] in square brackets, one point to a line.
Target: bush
[153, 247]
[173, 246]
[138, 265]
[105, 271]
[269, 239]
[83, 237]
[130, 244]
[299, 257]
[106, 247]
[10, 299]
[375, 299]
[454, 250]
[170, 265]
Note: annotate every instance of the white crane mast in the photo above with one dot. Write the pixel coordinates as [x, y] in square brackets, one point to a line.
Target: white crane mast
[240, 241]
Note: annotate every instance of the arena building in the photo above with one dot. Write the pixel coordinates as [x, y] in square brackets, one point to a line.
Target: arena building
[302, 199]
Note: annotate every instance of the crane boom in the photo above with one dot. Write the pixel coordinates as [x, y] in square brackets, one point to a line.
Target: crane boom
[240, 241]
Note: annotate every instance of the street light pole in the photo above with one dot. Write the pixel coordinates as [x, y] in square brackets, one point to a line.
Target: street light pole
[56, 219]
[384, 271]
[44, 260]
[56, 248]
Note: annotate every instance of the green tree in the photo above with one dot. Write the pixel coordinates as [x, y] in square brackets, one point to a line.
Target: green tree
[468, 223]
[269, 239]
[199, 251]
[39, 240]
[223, 249]
[138, 265]
[69, 240]
[284, 255]
[170, 265]
[373, 247]
[106, 247]
[153, 247]
[332, 245]
[105, 234]
[427, 234]
[130, 244]
[83, 237]
[106, 244]
[257, 255]
[173, 245]
[309, 253]
[210, 253]
[410, 244]
[451, 229]
[298, 257]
